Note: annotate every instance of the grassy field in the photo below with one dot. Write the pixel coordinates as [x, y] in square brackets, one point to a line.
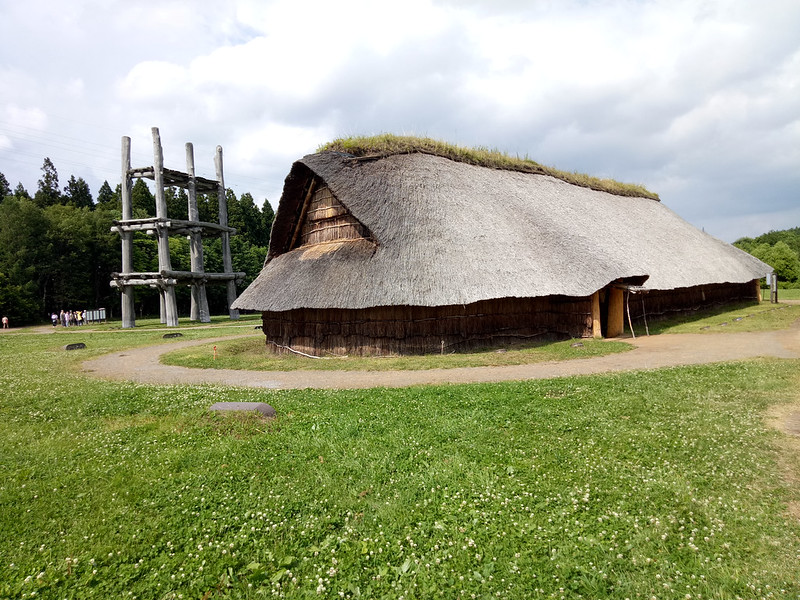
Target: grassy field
[745, 317]
[664, 484]
[250, 353]
[786, 294]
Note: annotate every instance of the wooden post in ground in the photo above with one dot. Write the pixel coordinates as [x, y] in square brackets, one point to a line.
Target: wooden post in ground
[597, 331]
[170, 316]
[616, 313]
[128, 309]
[227, 263]
[773, 288]
[199, 309]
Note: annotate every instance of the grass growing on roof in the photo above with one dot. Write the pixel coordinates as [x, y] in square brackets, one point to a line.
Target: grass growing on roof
[662, 483]
[389, 144]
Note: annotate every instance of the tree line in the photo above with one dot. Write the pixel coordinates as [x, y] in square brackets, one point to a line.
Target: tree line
[780, 250]
[57, 251]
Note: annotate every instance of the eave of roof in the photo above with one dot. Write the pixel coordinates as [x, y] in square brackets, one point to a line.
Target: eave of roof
[451, 233]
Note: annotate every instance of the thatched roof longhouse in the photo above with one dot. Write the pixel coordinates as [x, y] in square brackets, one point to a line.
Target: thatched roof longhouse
[435, 232]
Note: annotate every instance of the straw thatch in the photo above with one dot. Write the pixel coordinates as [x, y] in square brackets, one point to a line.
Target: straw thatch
[388, 254]
[442, 233]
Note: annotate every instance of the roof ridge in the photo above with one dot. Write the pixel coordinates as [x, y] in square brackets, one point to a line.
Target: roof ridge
[385, 145]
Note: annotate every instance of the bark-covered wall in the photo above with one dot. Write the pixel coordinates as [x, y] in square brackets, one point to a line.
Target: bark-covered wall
[662, 304]
[420, 330]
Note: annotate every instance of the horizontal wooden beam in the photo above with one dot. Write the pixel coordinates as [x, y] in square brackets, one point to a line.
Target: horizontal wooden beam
[176, 179]
[176, 226]
[205, 276]
[171, 277]
[162, 283]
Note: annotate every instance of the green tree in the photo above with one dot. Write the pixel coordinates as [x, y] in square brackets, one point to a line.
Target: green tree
[25, 254]
[143, 203]
[21, 192]
[77, 193]
[109, 200]
[48, 192]
[105, 194]
[208, 207]
[177, 203]
[5, 188]
[267, 218]
[248, 258]
[249, 222]
[784, 260]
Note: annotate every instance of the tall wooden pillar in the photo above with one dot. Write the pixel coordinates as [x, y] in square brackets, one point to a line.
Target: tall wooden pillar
[227, 263]
[199, 308]
[616, 313]
[597, 324]
[128, 309]
[164, 263]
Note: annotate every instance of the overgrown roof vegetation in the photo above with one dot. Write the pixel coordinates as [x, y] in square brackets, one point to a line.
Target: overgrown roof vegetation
[388, 144]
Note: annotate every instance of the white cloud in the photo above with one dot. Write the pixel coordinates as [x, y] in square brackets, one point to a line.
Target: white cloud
[696, 100]
[30, 118]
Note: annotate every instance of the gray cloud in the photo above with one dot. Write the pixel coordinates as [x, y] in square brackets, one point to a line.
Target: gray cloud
[698, 102]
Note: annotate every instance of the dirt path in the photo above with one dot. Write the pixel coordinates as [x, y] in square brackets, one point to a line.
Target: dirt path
[142, 364]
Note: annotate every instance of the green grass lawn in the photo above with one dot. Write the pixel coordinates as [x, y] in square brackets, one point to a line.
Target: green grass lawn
[152, 323]
[786, 294]
[739, 318]
[663, 484]
[250, 353]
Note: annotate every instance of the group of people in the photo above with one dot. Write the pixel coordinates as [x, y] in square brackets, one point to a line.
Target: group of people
[68, 318]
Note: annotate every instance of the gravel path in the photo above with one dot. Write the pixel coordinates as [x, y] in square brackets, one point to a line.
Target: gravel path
[142, 364]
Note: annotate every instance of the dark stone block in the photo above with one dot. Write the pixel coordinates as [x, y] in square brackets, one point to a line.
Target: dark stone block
[75, 346]
[172, 335]
[261, 407]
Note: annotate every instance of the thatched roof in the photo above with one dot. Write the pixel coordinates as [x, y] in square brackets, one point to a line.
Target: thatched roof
[445, 233]
[387, 144]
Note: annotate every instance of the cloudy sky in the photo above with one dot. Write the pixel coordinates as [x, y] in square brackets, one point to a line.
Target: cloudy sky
[697, 100]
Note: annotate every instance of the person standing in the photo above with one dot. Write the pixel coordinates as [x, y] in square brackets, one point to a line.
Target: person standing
[5, 322]
[54, 319]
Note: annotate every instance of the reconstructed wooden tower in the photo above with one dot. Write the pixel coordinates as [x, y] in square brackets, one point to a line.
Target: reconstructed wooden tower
[165, 279]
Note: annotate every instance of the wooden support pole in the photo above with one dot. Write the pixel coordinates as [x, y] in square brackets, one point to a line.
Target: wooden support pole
[128, 309]
[628, 311]
[162, 305]
[773, 288]
[169, 314]
[227, 263]
[616, 312]
[596, 322]
[199, 306]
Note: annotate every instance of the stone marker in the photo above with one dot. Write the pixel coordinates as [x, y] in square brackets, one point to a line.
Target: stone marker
[75, 346]
[262, 407]
[172, 335]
